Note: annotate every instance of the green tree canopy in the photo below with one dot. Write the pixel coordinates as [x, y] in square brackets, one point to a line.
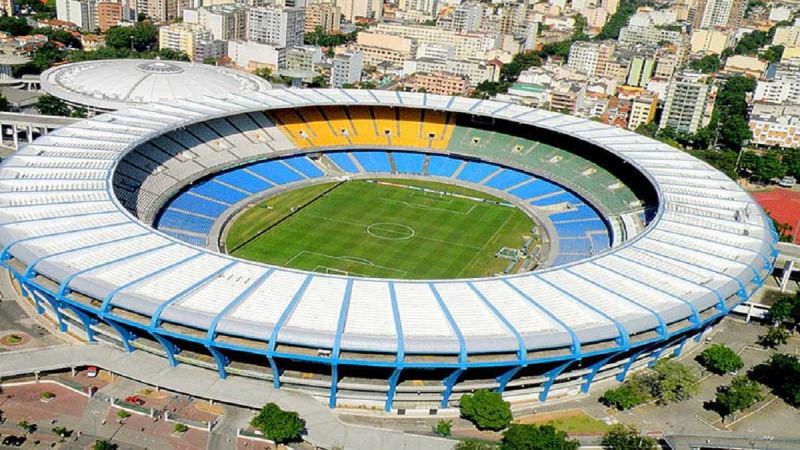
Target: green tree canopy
[278, 425]
[486, 409]
[15, 26]
[530, 437]
[634, 392]
[619, 19]
[774, 337]
[621, 437]
[720, 359]
[741, 394]
[707, 64]
[674, 382]
[142, 37]
[786, 311]
[782, 375]
[52, 106]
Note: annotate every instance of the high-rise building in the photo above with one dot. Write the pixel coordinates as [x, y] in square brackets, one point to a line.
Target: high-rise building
[83, 13]
[352, 9]
[323, 15]
[719, 13]
[226, 22]
[197, 42]
[346, 69]
[686, 108]
[468, 17]
[161, 10]
[281, 27]
[591, 57]
[643, 111]
[425, 6]
[109, 14]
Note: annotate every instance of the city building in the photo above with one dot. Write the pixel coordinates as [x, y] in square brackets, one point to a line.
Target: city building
[160, 10]
[251, 55]
[475, 70]
[324, 16]
[781, 86]
[745, 65]
[788, 36]
[643, 110]
[109, 14]
[346, 68]
[353, 9]
[719, 13]
[688, 103]
[383, 48]
[197, 42]
[281, 27]
[708, 41]
[468, 17]
[83, 13]
[591, 57]
[771, 130]
[439, 83]
[640, 70]
[465, 45]
[305, 58]
[91, 42]
[226, 22]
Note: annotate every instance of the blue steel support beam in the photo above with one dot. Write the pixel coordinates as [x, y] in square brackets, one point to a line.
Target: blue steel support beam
[633, 358]
[679, 348]
[273, 338]
[337, 343]
[551, 378]
[27, 291]
[400, 353]
[169, 348]
[450, 381]
[657, 355]
[211, 335]
[593, 369]
[85, 320]
[508, 375]
[575, 347]
[124, 335]
[54, 304]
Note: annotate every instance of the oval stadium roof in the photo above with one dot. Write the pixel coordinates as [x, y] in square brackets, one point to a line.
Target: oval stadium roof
[707, 248]
[118, 83]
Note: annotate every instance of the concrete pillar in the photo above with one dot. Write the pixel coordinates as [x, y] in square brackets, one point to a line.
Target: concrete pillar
[749, 312]
[36, 376]
[29, 133]
[73, 371]
[787, 274]
[14, 134]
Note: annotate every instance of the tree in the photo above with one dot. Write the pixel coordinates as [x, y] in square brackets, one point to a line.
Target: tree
[472, 444]
[529, 437]
[278, 425]
[487, 89]
[786, 312]
[720, 359]
[140, 37]
[707, 64]
[210, 60]
[772, 54]
[675, 382]
[263, 72]
[103, 445]
[763, 168]
[621, 437]
[741, 394]
[774, 337]
[782, 375]
[5, 105]
[52, 106]
[751, 42]
[443, 427]
[26, 427]
[618, 20]
[486, 409]
[632, 393]
[15, 26]
[122, 414]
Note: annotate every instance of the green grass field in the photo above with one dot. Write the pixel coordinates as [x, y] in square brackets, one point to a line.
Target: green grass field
[374, 230]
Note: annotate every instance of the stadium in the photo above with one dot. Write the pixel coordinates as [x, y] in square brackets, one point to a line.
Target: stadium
[122, 228]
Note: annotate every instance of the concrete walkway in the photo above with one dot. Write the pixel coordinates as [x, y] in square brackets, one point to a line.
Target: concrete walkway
[324, 428]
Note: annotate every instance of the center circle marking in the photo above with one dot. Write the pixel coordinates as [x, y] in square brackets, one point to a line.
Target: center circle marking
[390, 231]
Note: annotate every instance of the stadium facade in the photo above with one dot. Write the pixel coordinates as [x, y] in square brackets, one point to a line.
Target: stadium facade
[683, 244]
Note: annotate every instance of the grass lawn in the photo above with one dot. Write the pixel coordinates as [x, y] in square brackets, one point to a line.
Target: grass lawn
[374, 230]
[569, 421]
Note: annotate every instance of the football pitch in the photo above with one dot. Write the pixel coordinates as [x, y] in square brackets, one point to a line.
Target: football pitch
[374, 229]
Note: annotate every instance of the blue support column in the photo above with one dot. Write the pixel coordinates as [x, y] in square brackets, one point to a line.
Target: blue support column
[56, 309]
[449, 382]
[507, 376]
[276, 372]
[28, 292]
[220, 359]
[124, 335]
[589, 377]
[393, 380]
[551, 378]
[85, 320]
[627, 366]
[334, 386]
[657, 355]
[679, 348]
[169, 347]
[273, 338]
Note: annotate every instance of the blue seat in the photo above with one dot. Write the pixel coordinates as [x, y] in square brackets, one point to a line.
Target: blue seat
[536, 188]
[304, 166]
[244, 180]
[192, 203]
[373, 161]
[186, 222]
[218, 192]
[442, 166]
[476, 171]
[566, 259]
[600, 242]
[581, 212]
[343, 161]
[507, 178]
[564, 197]
[408, 162]
[575, 245]
[275, 171]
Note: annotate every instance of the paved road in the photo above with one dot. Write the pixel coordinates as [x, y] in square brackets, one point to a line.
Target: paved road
[324, 428]
[682, 442]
